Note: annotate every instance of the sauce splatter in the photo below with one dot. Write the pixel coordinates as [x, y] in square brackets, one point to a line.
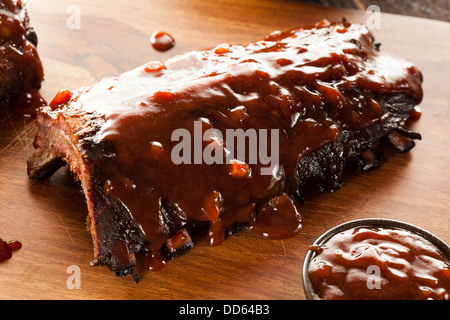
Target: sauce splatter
[7, 248]
[162, 41]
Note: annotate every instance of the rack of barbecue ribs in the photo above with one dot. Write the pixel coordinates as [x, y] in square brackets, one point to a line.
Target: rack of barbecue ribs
[152, 151]
[21, 71]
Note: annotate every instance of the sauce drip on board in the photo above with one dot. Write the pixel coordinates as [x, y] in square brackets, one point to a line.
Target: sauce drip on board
[162, 41]
[7, 248]
[154, 260]
[295, 82]
[379, 263]
[19, 60]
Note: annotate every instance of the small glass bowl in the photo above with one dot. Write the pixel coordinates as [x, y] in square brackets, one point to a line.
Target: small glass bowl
[307, 286]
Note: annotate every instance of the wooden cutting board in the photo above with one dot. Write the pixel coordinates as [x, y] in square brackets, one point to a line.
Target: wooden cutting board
[110, 37]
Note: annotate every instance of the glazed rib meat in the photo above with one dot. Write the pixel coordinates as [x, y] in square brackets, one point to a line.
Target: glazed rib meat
[152, 148]
[21, 71]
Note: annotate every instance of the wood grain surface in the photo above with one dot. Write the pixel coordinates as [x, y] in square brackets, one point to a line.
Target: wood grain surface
[431, 9]
[49, 217]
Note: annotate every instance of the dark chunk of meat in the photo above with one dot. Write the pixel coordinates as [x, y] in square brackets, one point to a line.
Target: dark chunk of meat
[21, 71]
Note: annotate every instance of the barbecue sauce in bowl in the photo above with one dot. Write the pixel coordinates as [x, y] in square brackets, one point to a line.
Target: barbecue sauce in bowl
[378, 263]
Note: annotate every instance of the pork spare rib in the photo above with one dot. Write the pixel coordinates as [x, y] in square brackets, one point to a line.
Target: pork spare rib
[152, 151]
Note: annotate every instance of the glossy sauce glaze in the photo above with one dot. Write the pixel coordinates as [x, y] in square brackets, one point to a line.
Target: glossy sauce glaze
[27, 103]
[379, 263]
[19, 60]
[307, 83]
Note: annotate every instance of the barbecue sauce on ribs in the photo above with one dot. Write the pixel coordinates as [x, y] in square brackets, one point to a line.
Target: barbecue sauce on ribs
[311, 84]
[20, 66]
